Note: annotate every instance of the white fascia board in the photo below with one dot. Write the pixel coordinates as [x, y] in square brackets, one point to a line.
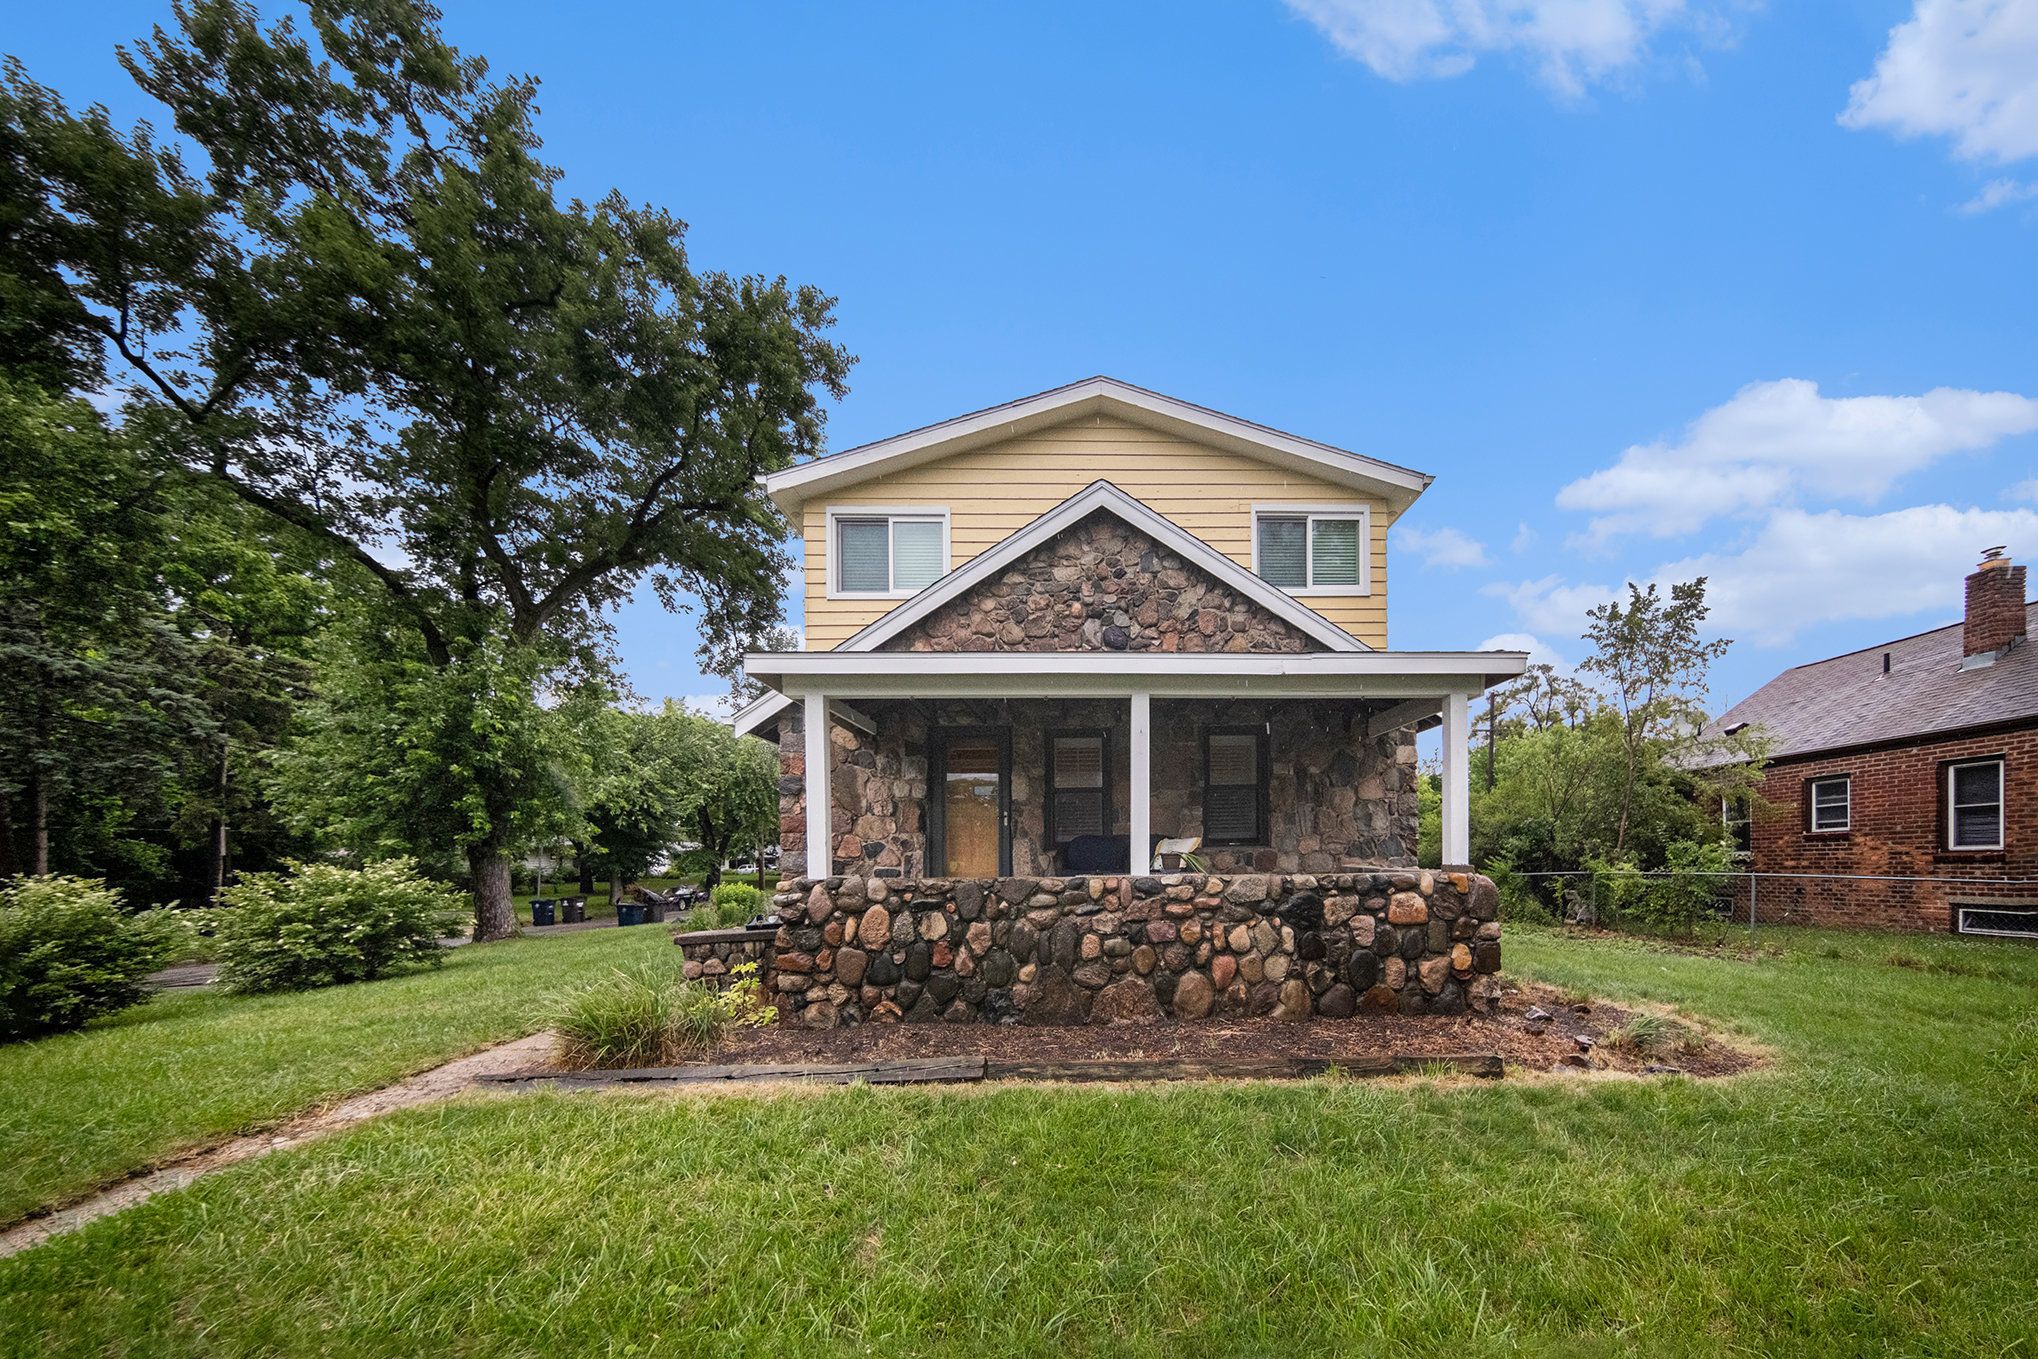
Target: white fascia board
[795, 485]
[1102, 495]
[1103, 674]
[760, 711]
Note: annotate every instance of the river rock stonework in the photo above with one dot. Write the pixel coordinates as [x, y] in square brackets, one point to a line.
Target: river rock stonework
[1081, 950]
[712, 956]
[1101, 585]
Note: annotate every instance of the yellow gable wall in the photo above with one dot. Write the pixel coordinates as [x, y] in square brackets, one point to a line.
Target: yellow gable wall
[995, 491]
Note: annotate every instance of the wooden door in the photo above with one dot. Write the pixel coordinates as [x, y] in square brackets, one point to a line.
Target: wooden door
[975, 772]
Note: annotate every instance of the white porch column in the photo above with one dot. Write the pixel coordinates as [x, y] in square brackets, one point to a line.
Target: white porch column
[1140, 789]
[1457, 800]
[820, 806]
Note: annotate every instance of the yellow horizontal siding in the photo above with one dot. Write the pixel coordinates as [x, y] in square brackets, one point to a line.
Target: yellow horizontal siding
[992, 492]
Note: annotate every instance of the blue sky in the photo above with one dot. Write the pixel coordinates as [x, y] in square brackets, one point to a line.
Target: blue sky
[1651, 287]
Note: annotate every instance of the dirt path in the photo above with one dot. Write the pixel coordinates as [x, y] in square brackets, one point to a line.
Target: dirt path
[427, 1087]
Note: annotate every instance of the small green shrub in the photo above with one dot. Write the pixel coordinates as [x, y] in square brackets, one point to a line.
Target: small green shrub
[649, 1015]
[69, 953]
[738, 896]
[1519, 901]
[321, 924]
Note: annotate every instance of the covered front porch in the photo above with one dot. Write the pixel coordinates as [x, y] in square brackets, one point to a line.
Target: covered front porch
[977, 765]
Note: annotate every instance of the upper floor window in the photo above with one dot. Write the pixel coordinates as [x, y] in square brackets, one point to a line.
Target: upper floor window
[1304, 548]
[1974, 805]
[886, 553]
[1831, 803]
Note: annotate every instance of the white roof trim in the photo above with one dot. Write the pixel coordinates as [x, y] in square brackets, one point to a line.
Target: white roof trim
[760, 711]
[795, 485]
[1102, 495]
[1057, 674]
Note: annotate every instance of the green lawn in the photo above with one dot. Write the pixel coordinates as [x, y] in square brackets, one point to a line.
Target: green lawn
[1874, 1192]
[189, 1067]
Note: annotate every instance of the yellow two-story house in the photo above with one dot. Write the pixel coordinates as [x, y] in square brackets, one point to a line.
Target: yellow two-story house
[1062, 635]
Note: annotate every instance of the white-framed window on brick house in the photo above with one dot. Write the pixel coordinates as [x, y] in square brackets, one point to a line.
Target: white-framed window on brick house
[1737, 816]
[1314, 549]
[1829, 804]
[885, 553]
[1974, 804]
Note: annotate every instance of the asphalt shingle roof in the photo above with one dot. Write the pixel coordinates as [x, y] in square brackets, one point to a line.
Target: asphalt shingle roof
[1847, 700]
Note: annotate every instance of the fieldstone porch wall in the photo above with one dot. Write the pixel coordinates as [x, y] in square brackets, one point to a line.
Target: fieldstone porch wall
[712, 955]
[1062, 951]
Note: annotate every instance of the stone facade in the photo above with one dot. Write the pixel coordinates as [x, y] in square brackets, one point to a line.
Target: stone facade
[1102, 585]
[1064, 951]
[712, 955]
[1335, 797]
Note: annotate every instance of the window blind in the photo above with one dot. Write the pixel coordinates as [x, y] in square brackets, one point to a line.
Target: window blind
[1284, 551]
[916, 553]
[1334, 552]
[1077, 777]
[1231, 802]
[1975, 818]
[863, 550]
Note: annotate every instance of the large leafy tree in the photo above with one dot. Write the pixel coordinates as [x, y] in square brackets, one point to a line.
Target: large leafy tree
[352, 295]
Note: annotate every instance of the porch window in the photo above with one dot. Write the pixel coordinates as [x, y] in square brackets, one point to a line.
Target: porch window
[1974, 805]
[1304, 549]
[1234, 786]
[888, 553]
[1077, 800]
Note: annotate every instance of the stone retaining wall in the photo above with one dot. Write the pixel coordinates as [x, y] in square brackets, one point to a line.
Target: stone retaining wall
[711, 955]
[1098, 949]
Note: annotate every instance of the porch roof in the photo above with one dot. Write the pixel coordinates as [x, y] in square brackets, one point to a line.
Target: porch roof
[1384, 675]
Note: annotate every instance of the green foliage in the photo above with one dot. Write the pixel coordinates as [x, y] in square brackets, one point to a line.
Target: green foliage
[1429, 821]
[322, 924]
[69, 953]
[1679, 899]
[649, 1015]
[729, 905]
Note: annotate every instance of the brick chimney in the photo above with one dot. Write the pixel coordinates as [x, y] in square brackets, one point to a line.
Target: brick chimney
[1995, 605]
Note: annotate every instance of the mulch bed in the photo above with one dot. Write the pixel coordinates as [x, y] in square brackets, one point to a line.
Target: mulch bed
[1536, 1045]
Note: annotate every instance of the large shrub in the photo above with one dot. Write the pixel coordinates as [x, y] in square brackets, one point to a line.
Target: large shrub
[730, 904]
[649, 1015]
[70, 953]
[320, 924]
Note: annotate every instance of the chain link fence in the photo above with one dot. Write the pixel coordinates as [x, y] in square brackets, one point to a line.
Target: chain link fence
[1995, 906]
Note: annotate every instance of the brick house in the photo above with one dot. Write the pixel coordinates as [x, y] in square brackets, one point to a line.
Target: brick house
[1914, 759]
[1043, 638]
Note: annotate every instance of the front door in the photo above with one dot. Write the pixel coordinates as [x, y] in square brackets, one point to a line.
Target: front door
[972, 837]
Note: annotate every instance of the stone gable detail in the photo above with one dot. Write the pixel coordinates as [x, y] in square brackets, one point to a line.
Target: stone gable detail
[1101, 585]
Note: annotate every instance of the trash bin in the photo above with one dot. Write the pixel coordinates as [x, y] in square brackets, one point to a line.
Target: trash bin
[631, 913]
[543, 911]
[573, 909]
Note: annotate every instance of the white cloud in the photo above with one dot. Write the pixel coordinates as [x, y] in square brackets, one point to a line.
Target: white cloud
[1964, 69]
[1443, 547]
[1803, 569]
[1998, 193]
[1776, 439]
[2026, 490]
[1571, 43]
[1540, 652]
[1524, 539]
[1551, 604]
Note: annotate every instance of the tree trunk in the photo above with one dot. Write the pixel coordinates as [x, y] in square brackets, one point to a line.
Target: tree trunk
[8, 867]
[616, 896]
[39, 823]
[495, 915]
[586, 866]
[215, 877]
[760, 868]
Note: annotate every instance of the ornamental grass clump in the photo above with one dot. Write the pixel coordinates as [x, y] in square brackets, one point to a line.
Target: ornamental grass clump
[70, 952]
[320, 924]
[650, 1015]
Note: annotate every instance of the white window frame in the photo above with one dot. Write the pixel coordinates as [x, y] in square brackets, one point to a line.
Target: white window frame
[2002, 804]
[891, 514]
[1312, 513]
[1811, 795]
[1961, 908]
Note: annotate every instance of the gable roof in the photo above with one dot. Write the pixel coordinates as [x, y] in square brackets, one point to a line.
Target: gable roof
[1098, 495]
[1847, 701]
[1102, 495]
[1092, 396]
